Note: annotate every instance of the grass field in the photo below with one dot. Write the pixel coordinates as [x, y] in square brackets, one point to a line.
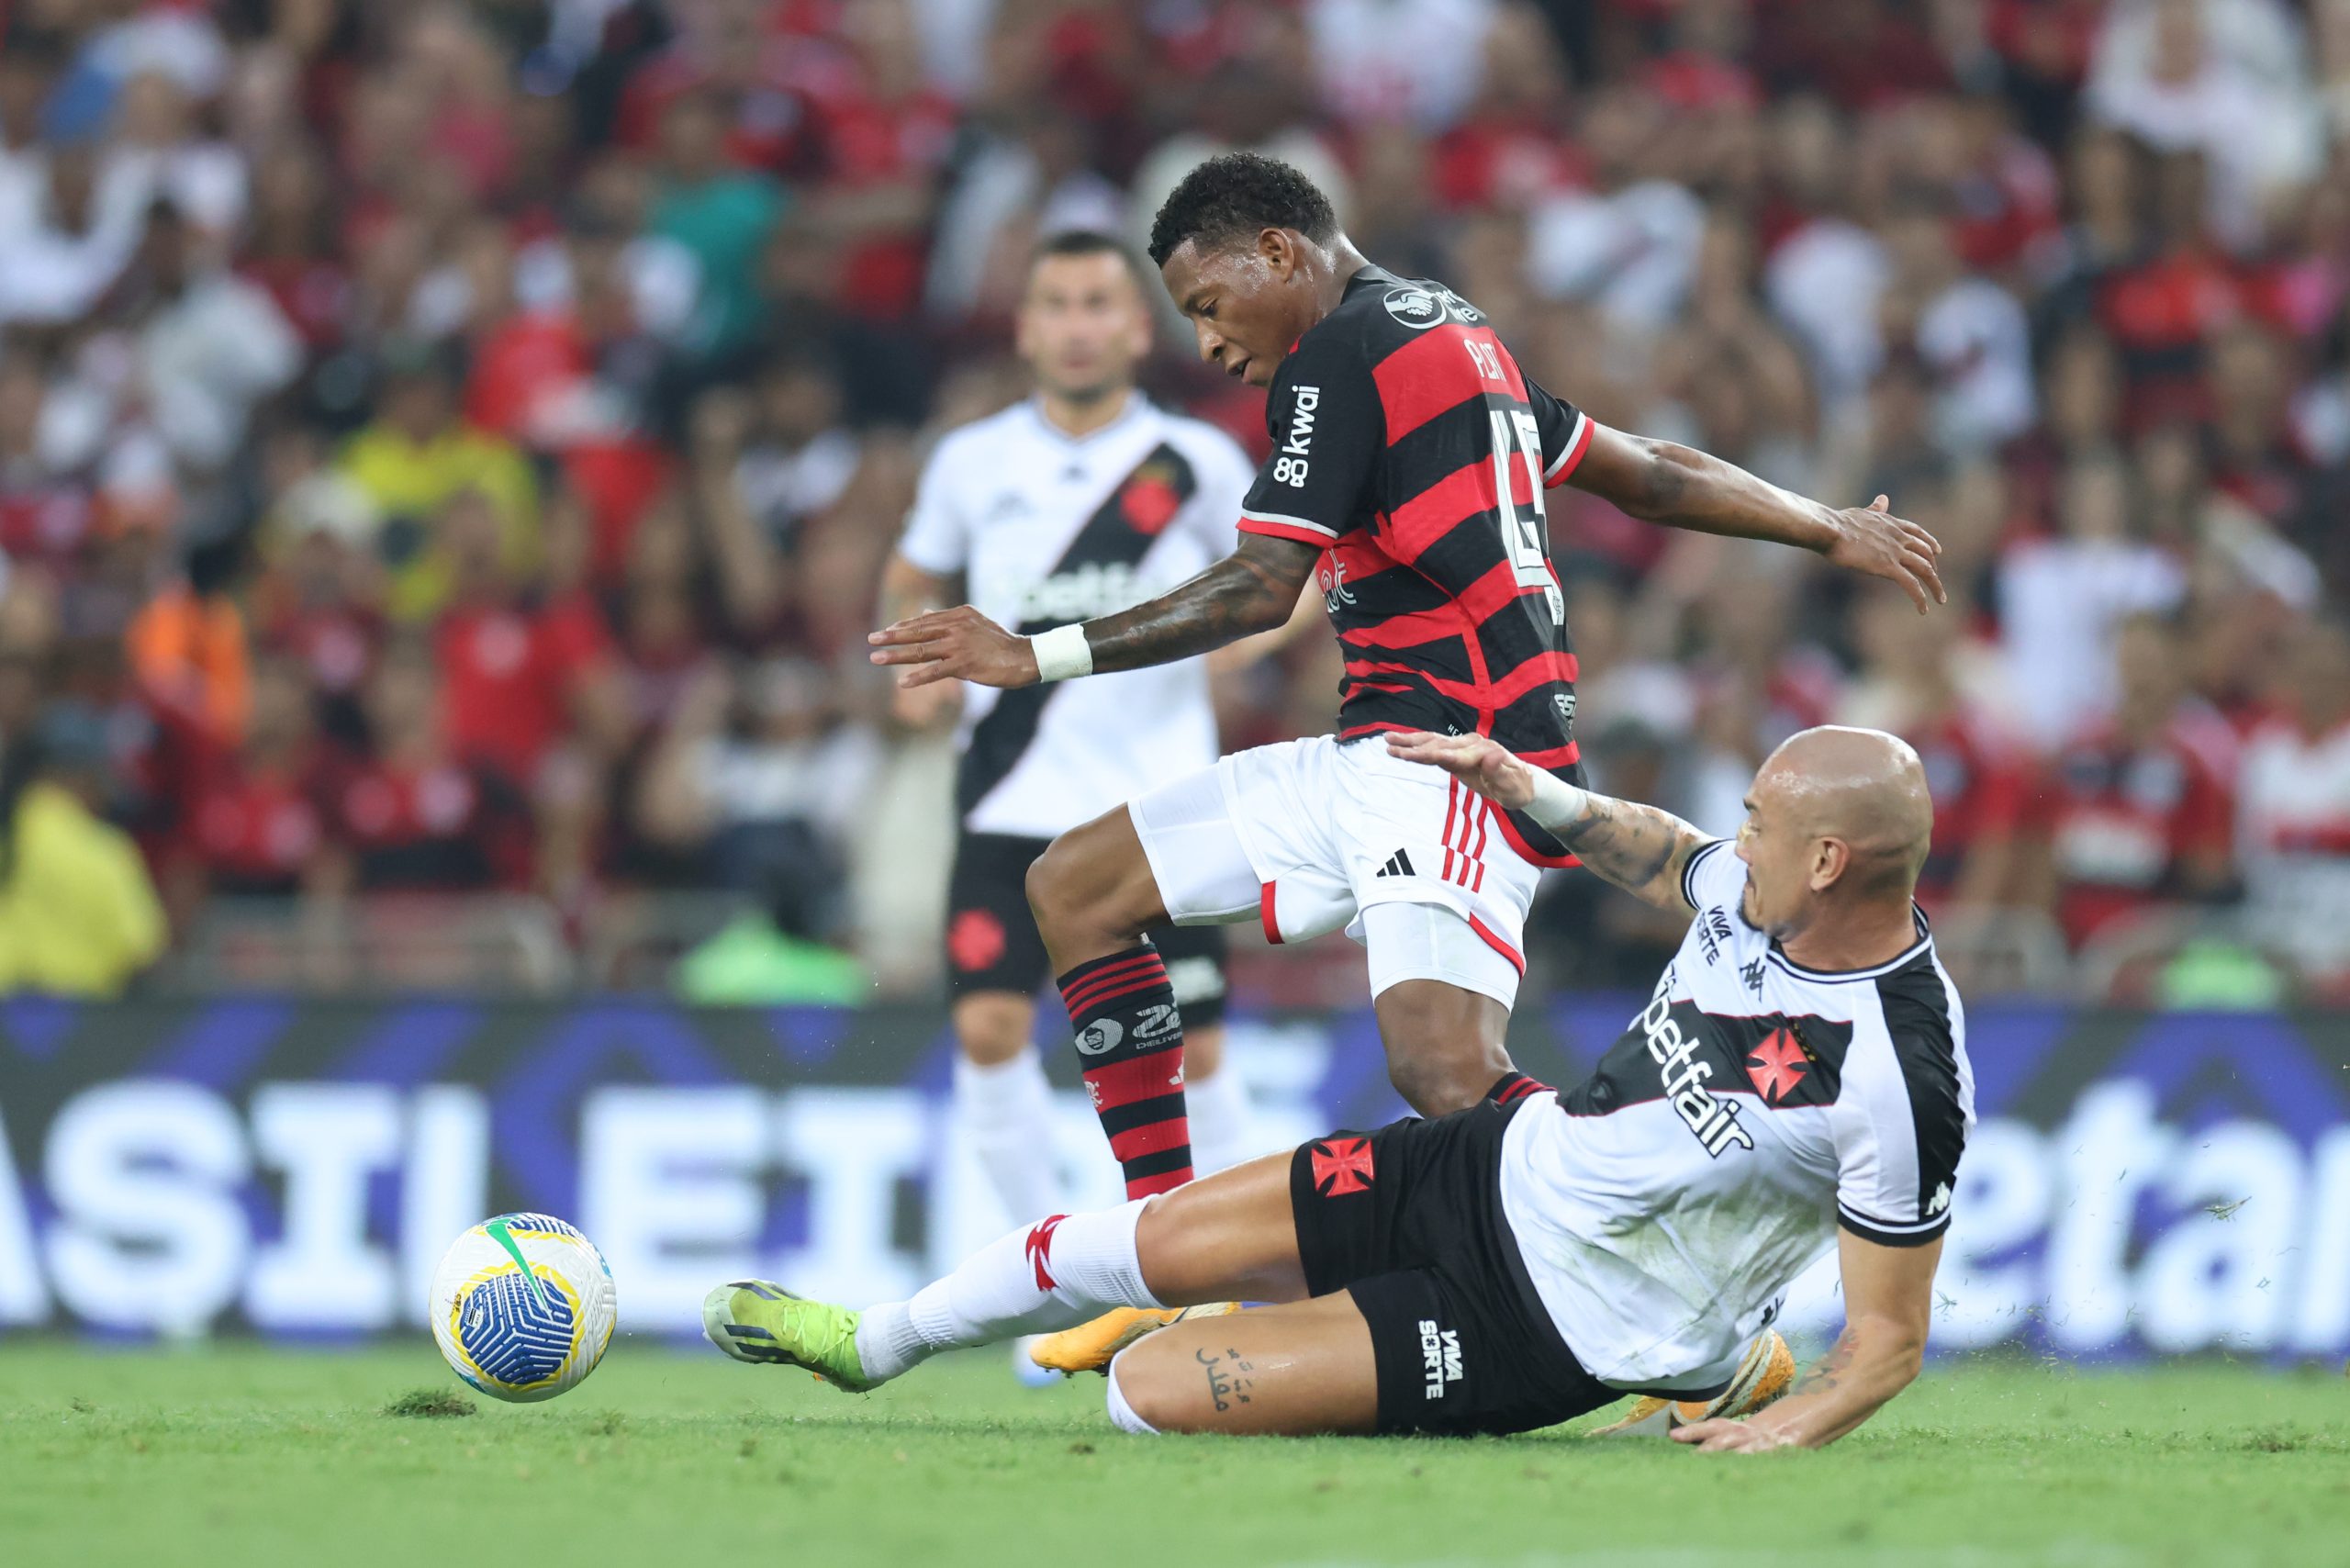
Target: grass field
[241, 1455]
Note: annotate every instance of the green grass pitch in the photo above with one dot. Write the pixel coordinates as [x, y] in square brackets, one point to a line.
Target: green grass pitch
[243, 1455]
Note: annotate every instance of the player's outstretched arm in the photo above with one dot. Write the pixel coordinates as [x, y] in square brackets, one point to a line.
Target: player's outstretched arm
[1888, 1305]
[1682, 487]
[1639, 848]
[1253, 589]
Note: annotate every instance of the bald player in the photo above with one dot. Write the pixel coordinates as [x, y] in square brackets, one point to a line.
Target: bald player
[1798, 1079]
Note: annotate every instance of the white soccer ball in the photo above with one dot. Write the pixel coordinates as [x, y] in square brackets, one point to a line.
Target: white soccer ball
[523, 1307]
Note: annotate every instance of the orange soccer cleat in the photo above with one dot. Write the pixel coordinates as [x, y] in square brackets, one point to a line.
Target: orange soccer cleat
[1767, 1371]
[1088, 1347]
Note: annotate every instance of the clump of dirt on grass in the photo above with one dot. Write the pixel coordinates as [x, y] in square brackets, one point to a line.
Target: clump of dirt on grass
[2277, 1440]
[430, 1403]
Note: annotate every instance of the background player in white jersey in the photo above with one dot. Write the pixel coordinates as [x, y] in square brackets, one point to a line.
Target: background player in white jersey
[1798, 1079]
[1081, 500]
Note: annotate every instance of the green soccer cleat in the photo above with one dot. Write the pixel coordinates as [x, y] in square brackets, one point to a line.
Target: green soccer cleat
[753, 1320]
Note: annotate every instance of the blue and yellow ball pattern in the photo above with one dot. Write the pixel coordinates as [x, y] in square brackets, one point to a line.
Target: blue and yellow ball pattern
[523, 1306]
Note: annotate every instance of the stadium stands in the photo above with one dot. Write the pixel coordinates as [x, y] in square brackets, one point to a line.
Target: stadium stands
[447, 451]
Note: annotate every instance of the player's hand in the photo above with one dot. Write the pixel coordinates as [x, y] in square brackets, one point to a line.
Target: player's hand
[955, 644]
[1484, 765]
[1719, 1436]
[1871, 539]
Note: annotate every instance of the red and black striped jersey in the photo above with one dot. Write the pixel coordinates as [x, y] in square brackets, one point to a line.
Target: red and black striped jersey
[1408, 446]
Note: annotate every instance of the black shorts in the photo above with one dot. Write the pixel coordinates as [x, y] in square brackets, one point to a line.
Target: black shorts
[1408, 1220]
[993, 943]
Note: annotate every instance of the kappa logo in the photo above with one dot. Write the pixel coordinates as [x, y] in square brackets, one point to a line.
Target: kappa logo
[1940, 1201]
[1417, 308]
[1439, 1356]
[1100, 1037]
[1342, 1166]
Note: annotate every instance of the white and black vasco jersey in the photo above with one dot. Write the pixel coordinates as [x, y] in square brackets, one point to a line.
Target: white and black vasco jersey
[1048, 529]
[1749, 1109]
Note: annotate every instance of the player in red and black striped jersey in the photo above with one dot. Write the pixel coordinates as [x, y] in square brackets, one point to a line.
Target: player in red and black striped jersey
[1413, 453]
[1410, 457]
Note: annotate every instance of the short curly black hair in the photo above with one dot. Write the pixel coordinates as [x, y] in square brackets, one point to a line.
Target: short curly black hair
[1237, 193]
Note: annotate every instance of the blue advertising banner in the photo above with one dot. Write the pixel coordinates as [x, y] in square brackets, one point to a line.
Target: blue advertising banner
[2138, 1183]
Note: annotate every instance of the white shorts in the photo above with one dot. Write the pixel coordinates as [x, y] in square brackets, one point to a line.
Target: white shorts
[1312, 836]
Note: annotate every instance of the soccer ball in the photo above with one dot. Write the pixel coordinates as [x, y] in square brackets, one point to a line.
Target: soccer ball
[523, 1307]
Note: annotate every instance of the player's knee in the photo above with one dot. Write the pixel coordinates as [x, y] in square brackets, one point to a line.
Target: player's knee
[1078, 887]
[1149, 1393]
[1055, 884]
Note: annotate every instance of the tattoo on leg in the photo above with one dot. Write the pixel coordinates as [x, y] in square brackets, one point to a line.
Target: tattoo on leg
[1226, 1385]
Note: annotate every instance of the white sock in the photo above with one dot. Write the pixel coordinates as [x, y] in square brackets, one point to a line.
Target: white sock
[1122, 1415]
[1006, 1110]
[1224, 1124]
[1088, 1260]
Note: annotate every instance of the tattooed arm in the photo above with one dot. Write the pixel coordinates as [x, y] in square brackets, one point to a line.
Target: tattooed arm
[1639, 848]
[1888, 1303]
[1253, 589]
[1682, 487]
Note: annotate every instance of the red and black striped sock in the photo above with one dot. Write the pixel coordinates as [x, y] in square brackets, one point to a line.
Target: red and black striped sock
[1130, 1047]
[1513, 1086]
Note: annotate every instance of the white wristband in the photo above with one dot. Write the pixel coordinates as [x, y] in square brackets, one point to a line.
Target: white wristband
[1557, 804]
[1062, 653]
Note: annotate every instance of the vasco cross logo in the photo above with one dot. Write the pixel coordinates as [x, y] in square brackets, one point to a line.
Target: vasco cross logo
[1342, 1166]
[1777, 1065]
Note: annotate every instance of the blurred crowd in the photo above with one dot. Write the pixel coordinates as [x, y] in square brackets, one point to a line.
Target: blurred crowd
[453, 447]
